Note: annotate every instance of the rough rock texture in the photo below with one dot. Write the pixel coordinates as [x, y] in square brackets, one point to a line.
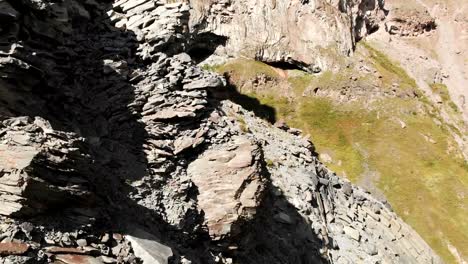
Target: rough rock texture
[230, 185]
[409, 22]
[110, 137]
[307, 34]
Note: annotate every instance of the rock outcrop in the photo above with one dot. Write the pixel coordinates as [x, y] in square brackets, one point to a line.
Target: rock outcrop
[409, 22]
[303, 34]
[112, 138]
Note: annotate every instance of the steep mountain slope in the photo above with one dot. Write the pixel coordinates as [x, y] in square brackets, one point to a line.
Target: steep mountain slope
[391, 117]
[116, 148]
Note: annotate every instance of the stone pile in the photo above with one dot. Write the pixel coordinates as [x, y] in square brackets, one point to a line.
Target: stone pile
[115, 148]
[81, 245]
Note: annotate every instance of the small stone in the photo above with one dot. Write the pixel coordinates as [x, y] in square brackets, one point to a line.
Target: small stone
[49, 241]
[183, 57]
[210, 82]
[64, 250]
[106, 259]
[105, 238]
[353, 233]
[347, 189]
[116, 250]
[371, 249]
[27, 227]
[148, 249]
[283, 218]
[325, 158]
[324, 181]
[295, 131]
[281, 125]
[117, 237]
[82, 242]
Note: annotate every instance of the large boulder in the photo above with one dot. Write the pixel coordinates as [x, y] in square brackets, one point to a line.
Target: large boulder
[230, 185]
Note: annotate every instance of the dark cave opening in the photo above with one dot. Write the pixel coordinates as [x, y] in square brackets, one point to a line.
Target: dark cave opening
[199, 54]
[204, 45]
[284, 65]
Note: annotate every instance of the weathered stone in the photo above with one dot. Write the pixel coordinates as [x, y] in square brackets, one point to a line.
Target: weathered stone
[16, 158]
[210, 82]
[148, 248]
[283, 218]
[13, 248]
[77, 259]
[81, 242]
[64, 250]
[353, 233]
[166, 114]
[229, 184]
[346, 186]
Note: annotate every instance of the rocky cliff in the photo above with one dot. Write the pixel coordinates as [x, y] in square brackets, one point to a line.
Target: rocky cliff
[116, 148]
[304, 34]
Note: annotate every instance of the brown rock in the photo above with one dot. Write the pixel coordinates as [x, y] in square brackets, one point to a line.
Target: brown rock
[63, 250]
[12, 248]
[230, 185]
[77, 259]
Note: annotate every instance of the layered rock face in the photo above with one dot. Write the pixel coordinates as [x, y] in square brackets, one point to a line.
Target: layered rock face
[116, 148]
[307, 34]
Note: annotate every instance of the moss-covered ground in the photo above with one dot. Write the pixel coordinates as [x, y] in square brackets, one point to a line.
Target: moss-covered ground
[421, 172]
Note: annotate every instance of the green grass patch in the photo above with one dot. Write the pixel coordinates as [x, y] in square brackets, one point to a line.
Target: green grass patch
[391, 71]
[442, 90]
[300, 82]
[246, 69]
[242, 124]
[211, 68]
[426, 186]
[269, 163]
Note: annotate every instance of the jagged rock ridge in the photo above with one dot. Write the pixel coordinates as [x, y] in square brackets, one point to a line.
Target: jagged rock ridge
[108, 128]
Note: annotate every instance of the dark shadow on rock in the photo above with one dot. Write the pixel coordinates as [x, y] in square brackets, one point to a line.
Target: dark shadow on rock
[279, 234]
[71, 86]
[287, 65]
[231, 92]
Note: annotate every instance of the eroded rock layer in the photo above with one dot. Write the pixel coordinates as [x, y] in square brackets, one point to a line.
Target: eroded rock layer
[305, 34]
[116, 148]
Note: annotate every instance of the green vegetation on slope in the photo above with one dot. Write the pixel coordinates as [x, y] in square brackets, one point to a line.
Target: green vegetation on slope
[244, 67]
[442, 90]
[420, 172]
[390, 71]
